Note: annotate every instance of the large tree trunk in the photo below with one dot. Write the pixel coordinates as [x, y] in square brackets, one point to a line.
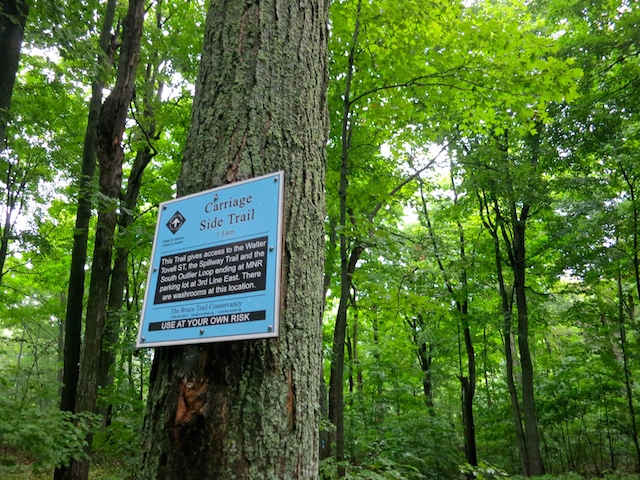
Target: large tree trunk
[249, 409]
[110, 129]
[13, 17]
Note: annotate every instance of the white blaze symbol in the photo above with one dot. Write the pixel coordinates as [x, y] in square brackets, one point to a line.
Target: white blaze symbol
[175, 222]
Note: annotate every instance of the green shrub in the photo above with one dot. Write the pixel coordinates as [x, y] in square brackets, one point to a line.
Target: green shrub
[48, 437]
[483, 471]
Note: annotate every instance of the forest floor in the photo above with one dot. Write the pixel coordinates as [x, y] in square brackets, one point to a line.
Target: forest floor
[14, 465]
[26, 472]
[106, 472]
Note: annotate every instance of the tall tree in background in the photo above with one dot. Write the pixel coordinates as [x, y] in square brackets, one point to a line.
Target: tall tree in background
[110, 129]
[110, 154]
[454, 267]
[13, 17]
[75, 296]
[149, 98]
[507, 213]
[249, 409]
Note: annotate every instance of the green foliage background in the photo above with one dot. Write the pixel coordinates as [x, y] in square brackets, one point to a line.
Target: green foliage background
[445, 102]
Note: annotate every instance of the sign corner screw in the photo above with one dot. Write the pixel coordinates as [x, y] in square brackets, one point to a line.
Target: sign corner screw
[164, 207]
[143, 338]
[270, 328]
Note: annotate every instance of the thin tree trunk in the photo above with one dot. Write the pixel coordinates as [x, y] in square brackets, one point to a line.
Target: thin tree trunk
[325, 451]
[460, 297]
[249, 409]
[635, 233]
[468, 385]
[425, 358]
[125, 219]
[628, 382]
[507, 313]
[356, 358]
[379, 408]
[325, 434]
[110, 128]
[612, 456]
[10, 199]
[518, 224]
[336, 380]
[75, 294]
[485, 358]
[349, 345]
[518, 217]
[536, 466]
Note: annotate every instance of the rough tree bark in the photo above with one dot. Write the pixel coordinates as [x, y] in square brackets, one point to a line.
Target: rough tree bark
[249, 409]
[117, 285]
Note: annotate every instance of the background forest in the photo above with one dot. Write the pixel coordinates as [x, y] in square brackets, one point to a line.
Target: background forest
[482, 271]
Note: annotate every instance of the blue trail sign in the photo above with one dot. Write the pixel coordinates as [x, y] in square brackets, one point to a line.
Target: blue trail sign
[215, 266]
